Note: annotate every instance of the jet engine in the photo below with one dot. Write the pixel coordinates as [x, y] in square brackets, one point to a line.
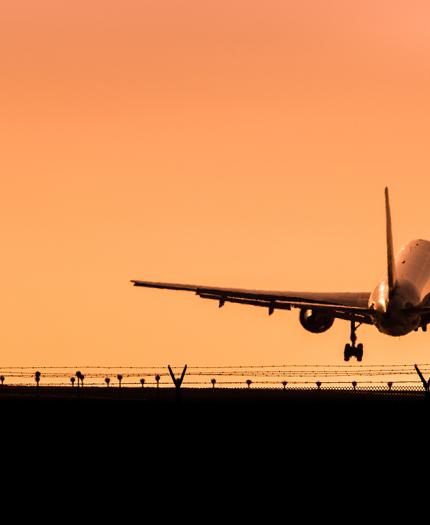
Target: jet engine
[315, 321]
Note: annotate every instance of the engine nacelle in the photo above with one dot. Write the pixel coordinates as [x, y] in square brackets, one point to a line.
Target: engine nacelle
[315, 321]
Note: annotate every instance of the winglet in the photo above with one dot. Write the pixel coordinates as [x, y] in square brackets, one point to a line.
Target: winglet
[390, 247]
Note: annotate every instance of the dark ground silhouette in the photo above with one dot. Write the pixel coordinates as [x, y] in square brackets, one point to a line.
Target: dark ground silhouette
[280, 408]
[310, 433]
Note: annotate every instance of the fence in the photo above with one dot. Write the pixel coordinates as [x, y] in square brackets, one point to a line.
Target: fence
[403, 378]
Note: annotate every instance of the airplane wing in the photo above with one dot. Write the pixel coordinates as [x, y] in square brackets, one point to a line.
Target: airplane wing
[347, 306]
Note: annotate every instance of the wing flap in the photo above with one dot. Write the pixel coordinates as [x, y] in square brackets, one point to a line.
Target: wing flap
[349, 313]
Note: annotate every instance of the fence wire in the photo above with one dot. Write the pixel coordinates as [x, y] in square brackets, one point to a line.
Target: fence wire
[392, 376]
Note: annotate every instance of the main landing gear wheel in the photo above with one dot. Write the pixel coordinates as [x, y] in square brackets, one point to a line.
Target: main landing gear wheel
[353, 351]
[347, 353]
[359, 353]
[350, 349]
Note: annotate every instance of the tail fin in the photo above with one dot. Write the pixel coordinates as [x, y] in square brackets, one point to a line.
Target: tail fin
[390, 249]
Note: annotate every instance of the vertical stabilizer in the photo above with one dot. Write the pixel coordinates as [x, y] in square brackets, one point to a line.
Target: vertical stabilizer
[390, 249]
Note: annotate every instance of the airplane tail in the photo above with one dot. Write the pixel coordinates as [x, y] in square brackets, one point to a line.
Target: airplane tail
[390, 248]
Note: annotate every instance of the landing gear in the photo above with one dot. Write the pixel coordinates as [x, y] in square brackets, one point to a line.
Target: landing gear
[351, 350]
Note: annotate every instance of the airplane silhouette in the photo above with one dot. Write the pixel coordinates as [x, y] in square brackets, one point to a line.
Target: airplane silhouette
[399, 304]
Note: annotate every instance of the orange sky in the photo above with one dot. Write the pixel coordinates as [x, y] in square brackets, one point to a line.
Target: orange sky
[236, 143]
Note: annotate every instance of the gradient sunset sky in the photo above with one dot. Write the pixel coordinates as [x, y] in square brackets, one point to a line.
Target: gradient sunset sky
[229, 143]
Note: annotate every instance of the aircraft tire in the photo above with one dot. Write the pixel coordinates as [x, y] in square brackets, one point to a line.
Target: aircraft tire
[347, 352]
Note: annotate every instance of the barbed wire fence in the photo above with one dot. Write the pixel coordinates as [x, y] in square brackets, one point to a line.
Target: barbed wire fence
[374, 377]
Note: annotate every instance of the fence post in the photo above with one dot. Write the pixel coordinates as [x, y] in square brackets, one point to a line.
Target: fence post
[426, 384]
[177, 381]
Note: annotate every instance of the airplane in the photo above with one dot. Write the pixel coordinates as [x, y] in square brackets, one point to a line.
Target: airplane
[398, 305]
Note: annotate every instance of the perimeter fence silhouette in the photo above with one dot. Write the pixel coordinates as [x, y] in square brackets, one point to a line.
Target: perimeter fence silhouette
[394, 379]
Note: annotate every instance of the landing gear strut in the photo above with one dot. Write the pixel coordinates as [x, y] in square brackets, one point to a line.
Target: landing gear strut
[351, 350]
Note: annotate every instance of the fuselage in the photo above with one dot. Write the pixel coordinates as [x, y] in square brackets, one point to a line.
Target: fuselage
[393, 314]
